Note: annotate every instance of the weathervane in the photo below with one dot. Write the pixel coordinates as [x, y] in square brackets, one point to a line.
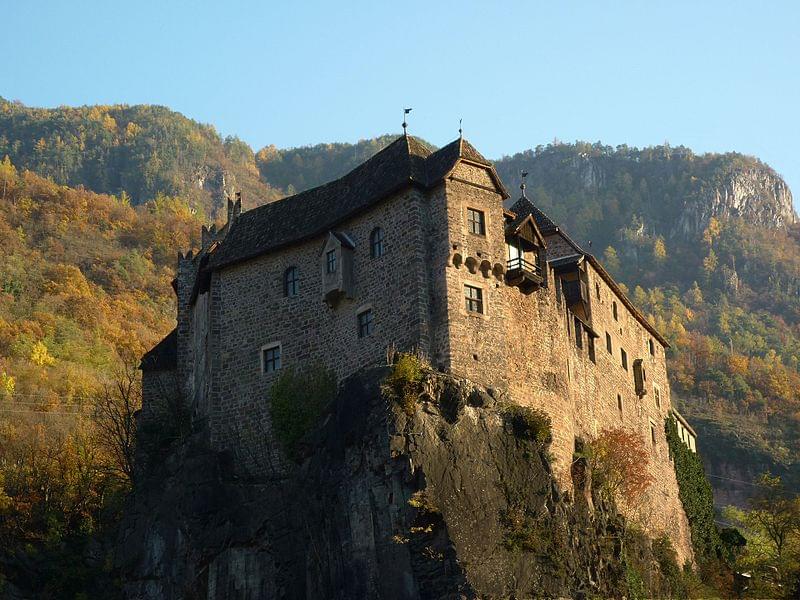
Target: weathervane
[460, 130]
[405, 125]
[524, 174]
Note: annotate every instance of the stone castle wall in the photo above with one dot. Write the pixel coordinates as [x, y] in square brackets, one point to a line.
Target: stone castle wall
[522, 343]
[526, 344]
[255, 313]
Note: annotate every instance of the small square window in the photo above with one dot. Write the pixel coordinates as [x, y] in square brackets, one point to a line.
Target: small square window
[608, 343]
[330, 261]
[271, 357]
[473, 297]
[624, 357]
[364, 323]
[476, 222]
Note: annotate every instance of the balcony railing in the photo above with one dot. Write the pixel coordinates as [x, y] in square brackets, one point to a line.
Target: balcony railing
[523, 274]
[520, 264]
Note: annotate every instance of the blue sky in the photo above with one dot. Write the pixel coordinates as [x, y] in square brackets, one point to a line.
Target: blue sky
[714, 76]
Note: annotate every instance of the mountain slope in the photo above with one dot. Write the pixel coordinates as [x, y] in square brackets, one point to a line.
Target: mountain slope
[142, 150]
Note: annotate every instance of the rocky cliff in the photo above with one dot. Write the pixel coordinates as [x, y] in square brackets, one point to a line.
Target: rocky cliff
[672, 192]
[450, 501]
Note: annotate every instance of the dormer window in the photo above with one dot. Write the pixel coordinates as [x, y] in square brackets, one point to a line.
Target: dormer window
[330, 261]
[336, 266]
[376, 243]
[476, 222]
[290, 282]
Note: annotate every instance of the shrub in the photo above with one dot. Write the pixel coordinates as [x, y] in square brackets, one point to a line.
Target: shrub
[619, 460]
[528, 423]
[403, 384]
[298, 399]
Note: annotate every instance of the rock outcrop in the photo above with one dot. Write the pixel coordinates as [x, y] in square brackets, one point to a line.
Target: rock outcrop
[448, 502]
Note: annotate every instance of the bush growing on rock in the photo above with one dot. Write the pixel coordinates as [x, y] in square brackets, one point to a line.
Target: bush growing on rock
[404, 383]
[298, 399]
[528, 423]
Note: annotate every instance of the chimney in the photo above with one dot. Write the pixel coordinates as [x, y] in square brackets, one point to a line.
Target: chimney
[237, 208]
[230, 209]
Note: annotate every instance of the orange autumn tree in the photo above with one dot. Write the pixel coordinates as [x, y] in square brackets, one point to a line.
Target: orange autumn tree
[619, 461]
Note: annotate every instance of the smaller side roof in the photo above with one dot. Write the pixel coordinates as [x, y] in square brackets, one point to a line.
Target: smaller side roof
[163, 356]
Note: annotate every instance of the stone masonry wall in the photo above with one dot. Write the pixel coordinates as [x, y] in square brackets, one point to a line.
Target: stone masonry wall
[254, 312]
[526, 345]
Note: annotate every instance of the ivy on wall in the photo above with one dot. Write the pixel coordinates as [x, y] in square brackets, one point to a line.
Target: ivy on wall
[696, 496]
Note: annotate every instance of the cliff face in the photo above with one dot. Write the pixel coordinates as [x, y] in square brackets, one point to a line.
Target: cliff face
[757, 194]
[384, 505]
[594, 189]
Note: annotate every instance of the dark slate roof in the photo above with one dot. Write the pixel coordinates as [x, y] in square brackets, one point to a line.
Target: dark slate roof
[404, 162]
[163, 356]
[524, 207]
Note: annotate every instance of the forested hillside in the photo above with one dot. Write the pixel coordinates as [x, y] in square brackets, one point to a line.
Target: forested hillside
[140, 150]
[707, 244]
[84, 290]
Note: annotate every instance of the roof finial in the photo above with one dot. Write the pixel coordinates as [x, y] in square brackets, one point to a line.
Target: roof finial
[405, 125]
[460, 130]
[524, 174]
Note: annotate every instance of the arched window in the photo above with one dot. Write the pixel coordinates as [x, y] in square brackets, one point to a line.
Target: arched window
[290, 282]
[376, 243]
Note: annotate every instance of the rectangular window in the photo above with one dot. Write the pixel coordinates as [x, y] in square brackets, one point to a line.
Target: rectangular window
[475, 221]
[330, 261]
[597, 290]
[608, 343]
[614, 310]
[653, 433]
[619, 402]
[591, 350]
[652, 347]
[657, 396]
[624, 356]
[271, 358]
[364, 323]
[578, 333]
[473, 297]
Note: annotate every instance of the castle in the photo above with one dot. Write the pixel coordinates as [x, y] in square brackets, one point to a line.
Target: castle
[414, 249]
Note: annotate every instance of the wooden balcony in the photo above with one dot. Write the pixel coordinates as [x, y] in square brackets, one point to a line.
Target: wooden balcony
[527, 276]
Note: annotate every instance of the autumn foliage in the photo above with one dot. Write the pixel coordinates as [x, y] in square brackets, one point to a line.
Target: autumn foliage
[619, 462]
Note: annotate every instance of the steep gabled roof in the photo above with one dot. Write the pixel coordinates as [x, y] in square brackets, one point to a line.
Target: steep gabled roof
[404, 162]
[163, 356]
[523, 206]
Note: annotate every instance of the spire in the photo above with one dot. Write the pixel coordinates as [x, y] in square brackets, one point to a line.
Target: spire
[405, 125]
[522, 186]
